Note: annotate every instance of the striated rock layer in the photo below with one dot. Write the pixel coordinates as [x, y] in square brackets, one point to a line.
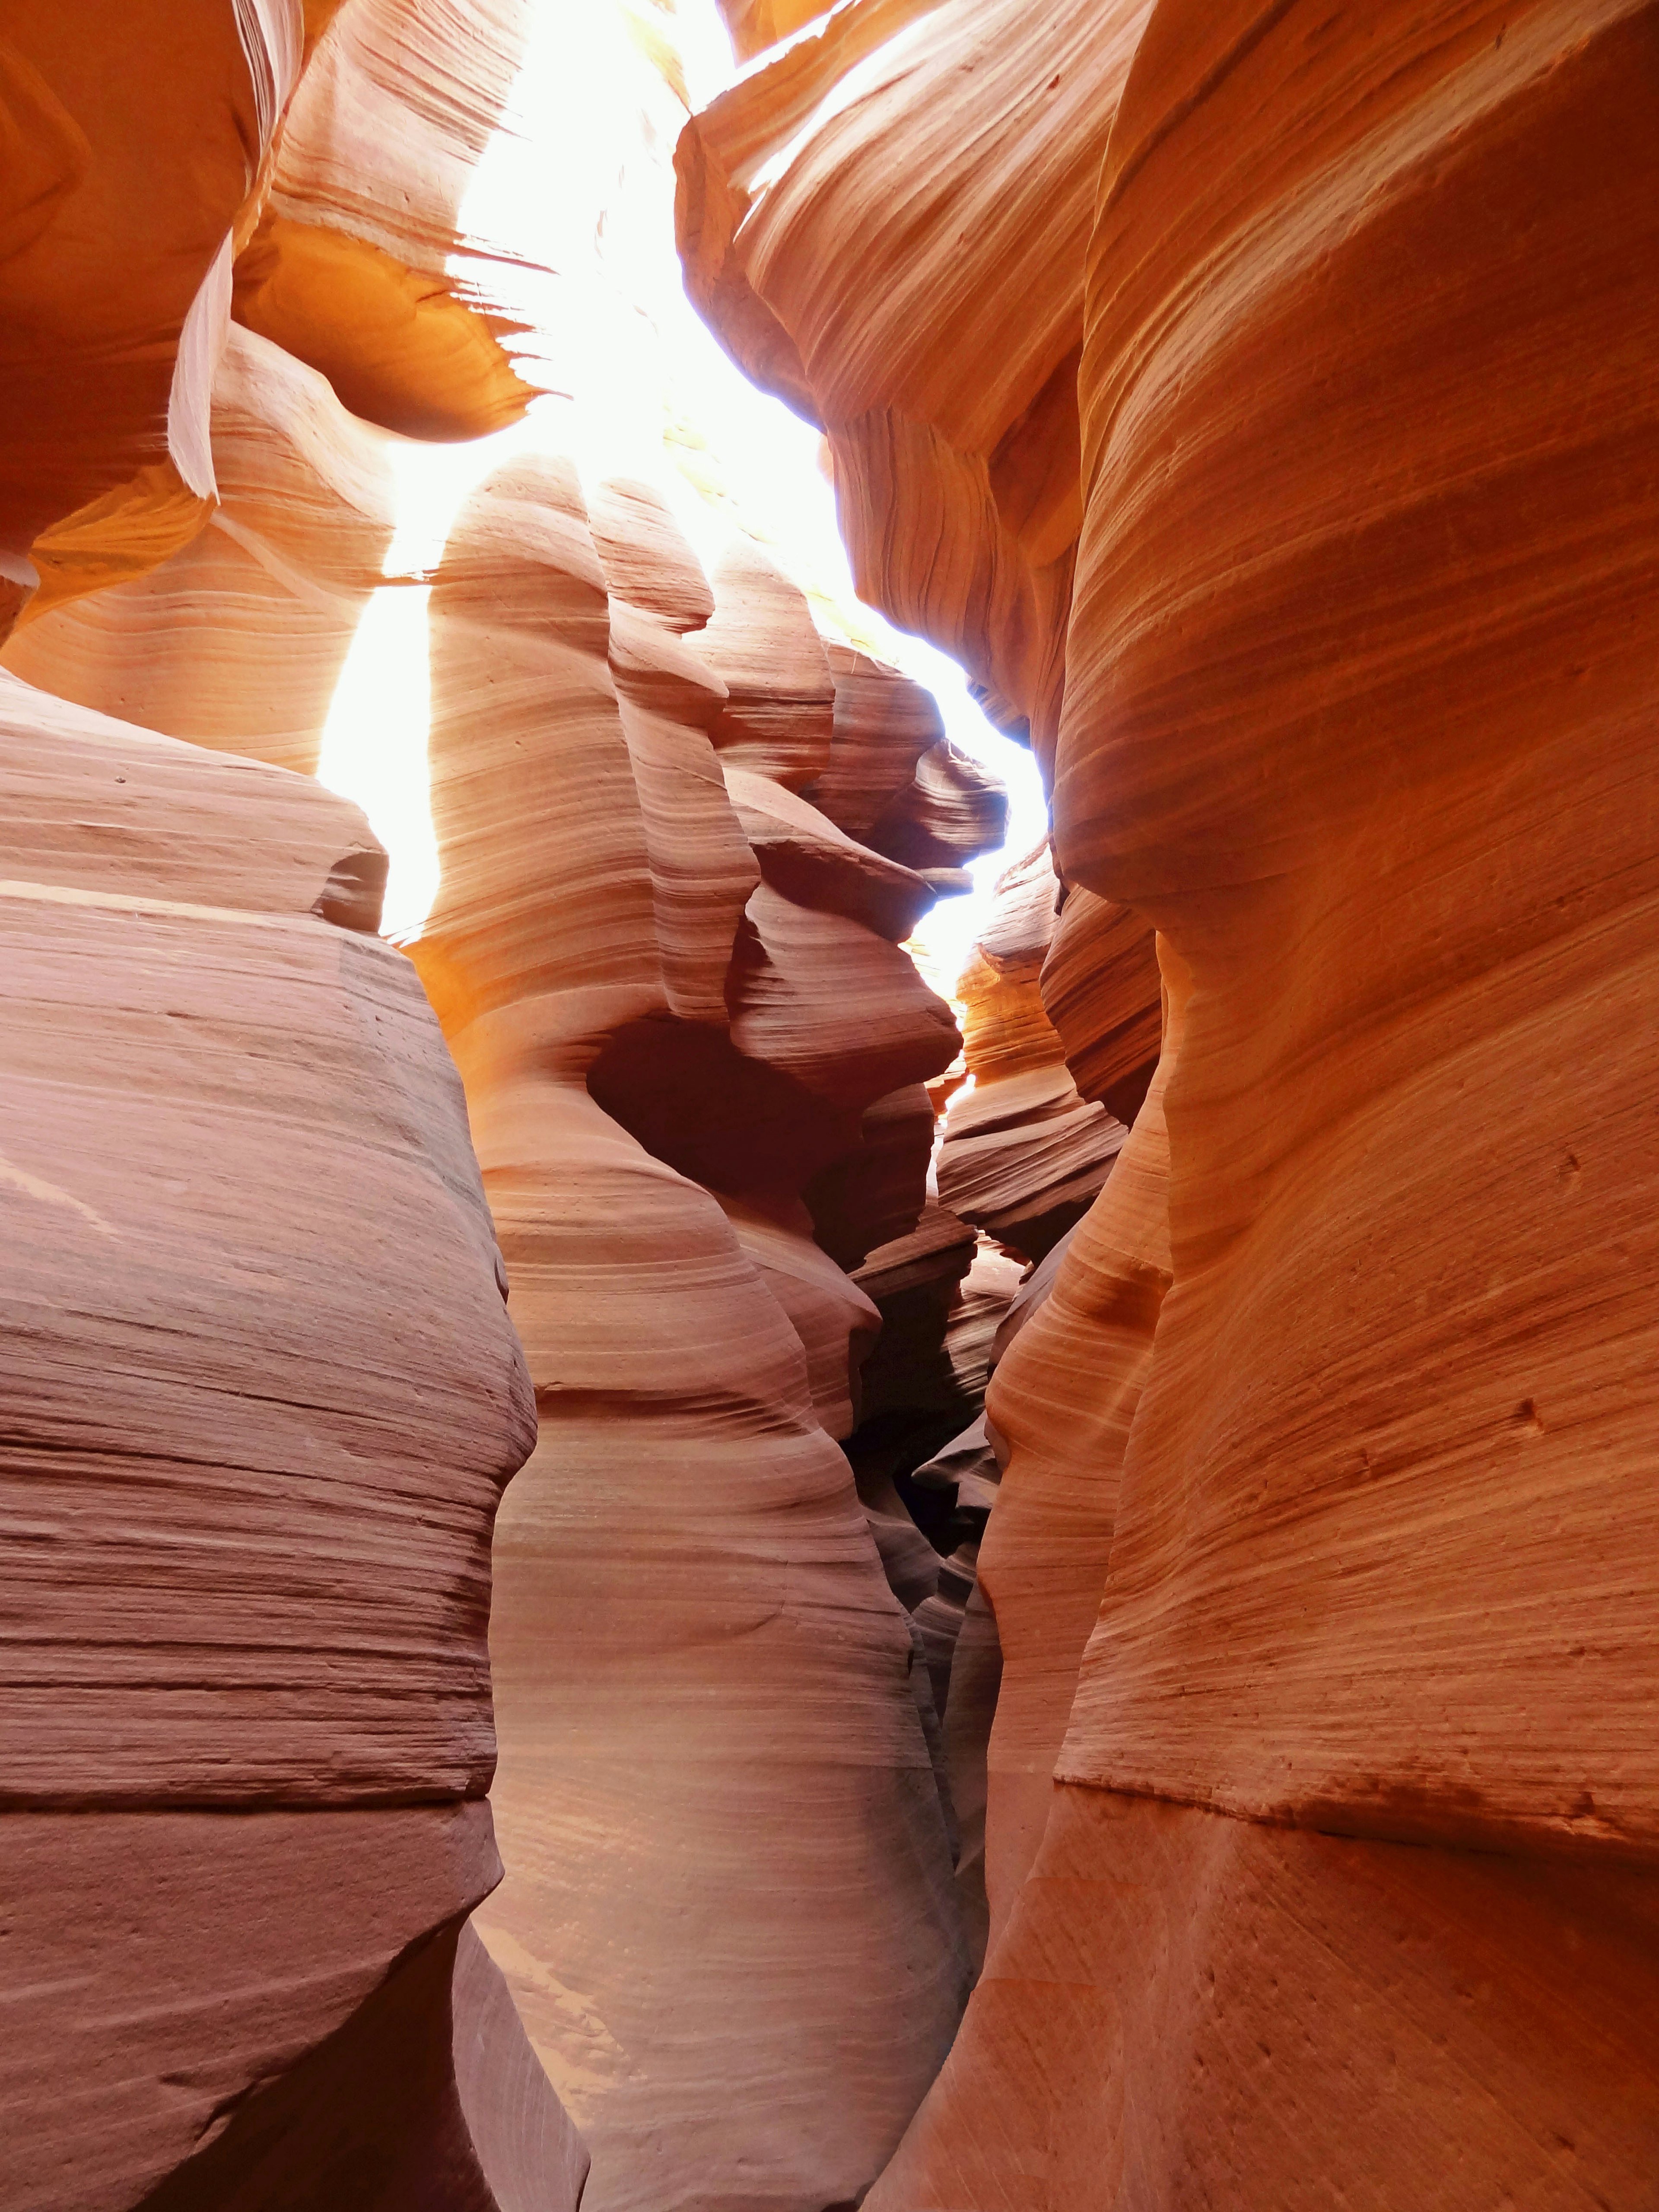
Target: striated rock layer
[135, 139]
[689, 1038]
[261, 1398]
[1323, 1562]
[1024, 1155]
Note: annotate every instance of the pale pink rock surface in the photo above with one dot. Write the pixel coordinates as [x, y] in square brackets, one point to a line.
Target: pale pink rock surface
[262, 1397]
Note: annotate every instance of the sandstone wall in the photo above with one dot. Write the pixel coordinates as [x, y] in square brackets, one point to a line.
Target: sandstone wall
[1321, 1564]
[261, 1398]
[671, 986]
[672, 850]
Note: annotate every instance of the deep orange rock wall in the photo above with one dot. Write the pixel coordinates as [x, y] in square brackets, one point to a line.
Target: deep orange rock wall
[1323, 1775]
[135, 140]
[672, 988]
[676, 848]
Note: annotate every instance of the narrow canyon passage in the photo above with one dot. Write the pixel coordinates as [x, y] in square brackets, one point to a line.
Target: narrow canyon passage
[827, 1114]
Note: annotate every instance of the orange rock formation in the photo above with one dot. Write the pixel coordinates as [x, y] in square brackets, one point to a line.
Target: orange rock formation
[261, 1398]
[673, 987]
[115, 270]
[1319, 1822]
[1024, 1155]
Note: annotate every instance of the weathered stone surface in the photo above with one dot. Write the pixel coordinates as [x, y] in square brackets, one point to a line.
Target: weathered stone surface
[1443, 912]
[1100, 989]
[1023, 1156]
[134, 137]
[1179, 1986]
[1356, 714]
[932, 333]
[706, 1713]
[691, 1623]
[261, 1396]
[241, 636]
[364, 262]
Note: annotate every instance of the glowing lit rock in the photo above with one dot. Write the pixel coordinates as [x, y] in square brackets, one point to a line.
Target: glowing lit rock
[262, 1397]
[661, 1706]
[934, 331]
[778, 713]
[1023, 1156]
[1381, 1544]
[241, 637]
[364, 263]
[133, 135]
[1101, 990]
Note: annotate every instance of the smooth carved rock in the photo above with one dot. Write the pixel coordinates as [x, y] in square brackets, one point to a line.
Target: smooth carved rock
[932, 333]
[883, 727]
[241, 636]
[1101, 991]
[778, 717]
[593, 881]
[693, 1646]
[133, 139]
[1022, 1156]
[1441, 913]
[1355, 708]
[262, 1397]
[1178, 1983]
[362, 263]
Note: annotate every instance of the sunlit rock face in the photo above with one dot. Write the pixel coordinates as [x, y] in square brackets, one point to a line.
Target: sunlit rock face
[1330, 1809]
[729, 1884]
[261, 1395]
[364, 263]
[940, 357]
[1024, 1154]
[134, 140]
[673, 988]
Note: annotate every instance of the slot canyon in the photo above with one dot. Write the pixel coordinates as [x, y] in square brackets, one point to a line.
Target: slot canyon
[830, 1105]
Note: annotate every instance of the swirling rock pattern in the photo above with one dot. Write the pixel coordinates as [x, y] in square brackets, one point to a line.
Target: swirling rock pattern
[261, 1398]
[1355, 713]
[135, 139]
[645, 977]
[940, 357]
[1024, 1155]
[364, 262]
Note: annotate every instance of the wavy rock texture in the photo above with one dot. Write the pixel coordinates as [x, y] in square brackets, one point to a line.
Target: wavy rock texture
[1100, 988]
[645, 977]
[1356, 714]
[134, 138]
[1023, 1156]
[944, 378]
[693, 1644]
[241, 637]
[262, 1395]
[365, 262]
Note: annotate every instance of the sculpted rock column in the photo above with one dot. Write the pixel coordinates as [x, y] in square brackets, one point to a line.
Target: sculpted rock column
[261, 1395]
[1023, 1156]
[1353, 1850]
[728, 1917]
[134, 137]
[1346, 1890]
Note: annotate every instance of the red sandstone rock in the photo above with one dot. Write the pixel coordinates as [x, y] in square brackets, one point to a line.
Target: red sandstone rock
[1023, 1157]
[1354, 705]
[1101, 991]
[241, 636]
[261, 1398]
[593, 881]
[134, 136]
[663, 1707]
[363, 264]
[933, 332]
[779, 713]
